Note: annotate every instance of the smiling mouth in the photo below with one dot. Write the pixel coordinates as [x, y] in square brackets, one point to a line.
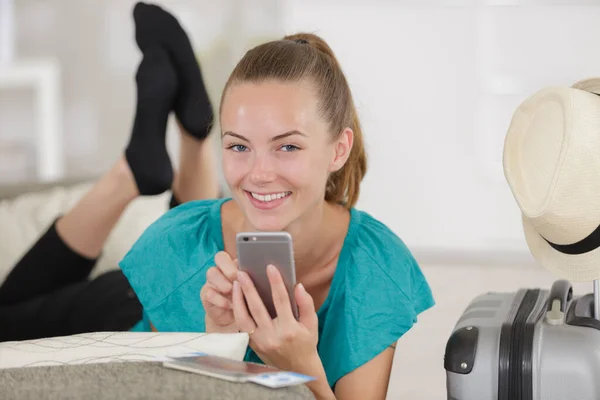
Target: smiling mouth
[265, 198]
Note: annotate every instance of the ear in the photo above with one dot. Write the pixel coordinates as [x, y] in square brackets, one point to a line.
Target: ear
[341, 150]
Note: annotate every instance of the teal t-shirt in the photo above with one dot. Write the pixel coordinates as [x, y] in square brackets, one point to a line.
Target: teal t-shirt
[375, 296]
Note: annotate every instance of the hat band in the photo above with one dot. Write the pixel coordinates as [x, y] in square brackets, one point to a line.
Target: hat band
[585, 245]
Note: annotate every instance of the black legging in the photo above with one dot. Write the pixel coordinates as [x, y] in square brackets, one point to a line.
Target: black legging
[49, 293]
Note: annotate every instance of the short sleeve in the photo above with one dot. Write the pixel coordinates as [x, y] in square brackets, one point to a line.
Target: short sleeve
[167, 265]
[377, 299]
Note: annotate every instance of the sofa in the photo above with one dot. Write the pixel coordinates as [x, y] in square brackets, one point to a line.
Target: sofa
[27, 209]
[105, 365]
[417, 373]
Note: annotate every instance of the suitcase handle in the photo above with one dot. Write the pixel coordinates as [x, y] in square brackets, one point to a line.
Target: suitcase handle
[561, 290]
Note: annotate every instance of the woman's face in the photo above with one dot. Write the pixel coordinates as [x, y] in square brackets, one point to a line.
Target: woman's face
[277, 151]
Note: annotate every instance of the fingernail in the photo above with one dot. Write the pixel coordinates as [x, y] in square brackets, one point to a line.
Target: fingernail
[242, 277]
[302, 288]
[271, 268]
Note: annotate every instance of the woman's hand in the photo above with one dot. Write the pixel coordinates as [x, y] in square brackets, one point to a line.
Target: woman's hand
[283, 342]
[216, 295]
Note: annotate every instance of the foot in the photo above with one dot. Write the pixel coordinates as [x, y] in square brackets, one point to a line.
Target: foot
[146, 152]
[156, 27]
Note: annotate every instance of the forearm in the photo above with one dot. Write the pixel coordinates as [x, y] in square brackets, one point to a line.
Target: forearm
[319, 387]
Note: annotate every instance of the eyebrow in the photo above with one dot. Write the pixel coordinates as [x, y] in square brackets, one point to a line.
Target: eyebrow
[273, 139]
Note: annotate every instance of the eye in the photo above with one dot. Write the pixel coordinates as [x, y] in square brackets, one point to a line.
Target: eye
[238, 148]
[289, 147]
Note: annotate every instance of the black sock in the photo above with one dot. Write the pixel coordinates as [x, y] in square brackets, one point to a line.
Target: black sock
[146, 153]
[155, 26]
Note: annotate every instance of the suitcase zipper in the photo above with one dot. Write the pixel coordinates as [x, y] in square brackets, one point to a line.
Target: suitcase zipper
[515, 374]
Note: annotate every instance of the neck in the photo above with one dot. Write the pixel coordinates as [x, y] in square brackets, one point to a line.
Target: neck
[312, 236]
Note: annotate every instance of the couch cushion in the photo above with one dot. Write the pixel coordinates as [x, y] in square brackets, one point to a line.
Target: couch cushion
[26, 216]
[129, 381]
[101, 347]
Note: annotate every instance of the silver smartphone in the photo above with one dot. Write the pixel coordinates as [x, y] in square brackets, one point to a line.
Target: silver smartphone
[255, 251]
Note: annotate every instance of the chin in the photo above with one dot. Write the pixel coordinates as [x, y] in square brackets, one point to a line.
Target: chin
[270, 223]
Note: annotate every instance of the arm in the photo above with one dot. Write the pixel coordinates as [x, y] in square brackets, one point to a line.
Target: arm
[283, 342]
[319, 387]
[369, 381]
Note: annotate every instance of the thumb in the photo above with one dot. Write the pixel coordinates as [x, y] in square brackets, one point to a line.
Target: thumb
[306, 308]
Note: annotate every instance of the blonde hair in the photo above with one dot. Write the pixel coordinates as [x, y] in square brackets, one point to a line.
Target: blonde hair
[307, 56]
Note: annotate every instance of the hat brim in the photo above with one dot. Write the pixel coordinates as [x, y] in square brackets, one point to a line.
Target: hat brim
[591, 85]
[578, 268]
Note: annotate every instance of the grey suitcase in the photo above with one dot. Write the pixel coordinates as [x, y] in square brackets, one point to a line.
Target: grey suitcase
[531, 344]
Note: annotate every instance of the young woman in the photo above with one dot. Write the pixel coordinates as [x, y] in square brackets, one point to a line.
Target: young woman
[293, 158]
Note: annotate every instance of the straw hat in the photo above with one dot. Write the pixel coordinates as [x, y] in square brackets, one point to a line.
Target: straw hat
[552, 165]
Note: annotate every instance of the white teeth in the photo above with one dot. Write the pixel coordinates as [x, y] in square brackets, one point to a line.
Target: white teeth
[270, 197]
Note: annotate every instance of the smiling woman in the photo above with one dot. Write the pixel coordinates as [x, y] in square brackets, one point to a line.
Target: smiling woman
[293, 158]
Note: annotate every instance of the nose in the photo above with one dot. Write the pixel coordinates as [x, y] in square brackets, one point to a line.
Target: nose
[262, 171]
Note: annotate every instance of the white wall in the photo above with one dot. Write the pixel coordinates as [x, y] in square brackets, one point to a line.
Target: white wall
[436, 83]
[93, 43]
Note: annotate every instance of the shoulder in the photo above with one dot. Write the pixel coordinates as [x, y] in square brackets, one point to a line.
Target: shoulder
[381, 254]
[171, 250]
[377, 238]
[376, 295]
[186, 222]
[190, 215]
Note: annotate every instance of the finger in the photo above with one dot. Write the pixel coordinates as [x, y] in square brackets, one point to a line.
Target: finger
[306, 308]
[216, 278]
[244, 321]
[211, 297]
[257, 308]
[281, 297]
[226, 265]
